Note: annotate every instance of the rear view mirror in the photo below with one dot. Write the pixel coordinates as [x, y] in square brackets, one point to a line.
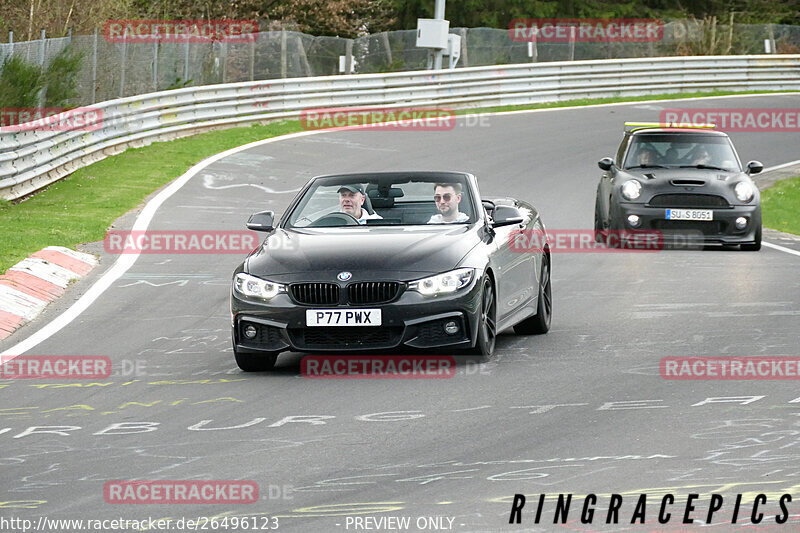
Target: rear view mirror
[263, 221]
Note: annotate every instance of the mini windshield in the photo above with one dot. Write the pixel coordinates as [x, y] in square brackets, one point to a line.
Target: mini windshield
[384, 201]
[681, 150]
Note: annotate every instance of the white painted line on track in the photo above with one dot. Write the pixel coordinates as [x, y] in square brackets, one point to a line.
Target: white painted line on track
[780, 248]
[126, 261]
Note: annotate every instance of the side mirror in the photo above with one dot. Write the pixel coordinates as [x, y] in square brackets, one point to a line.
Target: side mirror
[505, 215]
[606, 163]
[754, 167]
[263, 221]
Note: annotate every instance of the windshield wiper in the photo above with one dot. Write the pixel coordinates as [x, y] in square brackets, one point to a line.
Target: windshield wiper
[707, 167]
[645, 166]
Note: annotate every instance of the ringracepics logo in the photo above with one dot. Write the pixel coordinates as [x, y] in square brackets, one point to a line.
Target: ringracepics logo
[730, 368]
[50, 119]
[55, 367]
[379, 118]
[377, 367]
[558, 30]
[180, 31]
[182, 242]
[585, 241]
[750, 120]
[180, 492]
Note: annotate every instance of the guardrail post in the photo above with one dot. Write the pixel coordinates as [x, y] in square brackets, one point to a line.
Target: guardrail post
[252, 59]
[464, 58]
[155, 65]
[122, 62]
[186, 62]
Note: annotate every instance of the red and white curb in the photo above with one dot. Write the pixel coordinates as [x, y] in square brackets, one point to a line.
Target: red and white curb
[27, 287]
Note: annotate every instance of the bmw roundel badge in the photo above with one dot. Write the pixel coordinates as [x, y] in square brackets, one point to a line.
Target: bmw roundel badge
[344, 276]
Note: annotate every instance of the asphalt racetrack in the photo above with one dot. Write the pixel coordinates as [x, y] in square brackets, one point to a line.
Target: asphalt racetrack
[581, 410]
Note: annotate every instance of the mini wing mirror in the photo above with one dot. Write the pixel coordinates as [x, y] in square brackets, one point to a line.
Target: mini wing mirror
[754, 167]
[606, 163]
[263, 221]
[505, 215]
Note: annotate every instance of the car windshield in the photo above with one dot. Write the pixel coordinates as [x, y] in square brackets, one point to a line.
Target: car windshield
[384, 200]
[681, 150]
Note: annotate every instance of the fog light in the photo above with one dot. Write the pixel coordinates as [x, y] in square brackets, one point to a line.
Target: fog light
[633, 221]
[741, 222]
[451, 328]
[250, 332]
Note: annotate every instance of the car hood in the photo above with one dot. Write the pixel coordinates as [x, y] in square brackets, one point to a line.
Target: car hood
[686, 180]
[404, 253]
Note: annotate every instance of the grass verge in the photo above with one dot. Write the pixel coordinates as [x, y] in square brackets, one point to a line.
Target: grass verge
[780, 206]
[81, 207]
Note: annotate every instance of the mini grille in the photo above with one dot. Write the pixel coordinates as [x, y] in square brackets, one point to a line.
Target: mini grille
[688, 200]
[315, 293]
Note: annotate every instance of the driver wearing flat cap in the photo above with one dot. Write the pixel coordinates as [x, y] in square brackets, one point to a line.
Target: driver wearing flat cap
[351, 198]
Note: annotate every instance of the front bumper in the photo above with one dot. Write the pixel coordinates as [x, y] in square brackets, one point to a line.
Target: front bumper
[721, 230]
[411, 320]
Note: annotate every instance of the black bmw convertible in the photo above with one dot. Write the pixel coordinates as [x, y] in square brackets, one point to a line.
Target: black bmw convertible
[377, 261]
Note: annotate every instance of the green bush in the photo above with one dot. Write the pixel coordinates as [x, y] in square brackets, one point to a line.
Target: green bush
[60, 78]
[20, 83]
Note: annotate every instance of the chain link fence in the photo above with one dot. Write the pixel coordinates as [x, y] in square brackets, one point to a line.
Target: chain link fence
[113, 70]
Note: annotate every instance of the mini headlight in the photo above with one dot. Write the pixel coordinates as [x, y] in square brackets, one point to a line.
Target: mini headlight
[631, 189]
[744, 191]
[256, 287]
[445, 283]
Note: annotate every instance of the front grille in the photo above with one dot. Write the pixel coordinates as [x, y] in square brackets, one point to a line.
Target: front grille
[315, 293]
[372, 292]
[706, 227]
[688, 200]
[341, 338]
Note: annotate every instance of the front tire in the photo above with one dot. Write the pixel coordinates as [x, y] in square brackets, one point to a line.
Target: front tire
[255, 362]
[487, 322]
[599, 231]
[754, 247]
[539, 323]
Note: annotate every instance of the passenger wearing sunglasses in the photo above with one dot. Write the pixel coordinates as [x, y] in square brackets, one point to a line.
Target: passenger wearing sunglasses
[447, 197]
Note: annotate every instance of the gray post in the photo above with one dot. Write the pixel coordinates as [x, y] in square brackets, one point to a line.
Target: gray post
[224, 50]
[348, 56]
[186, 62]
[122, 63]
[94, 68]
[572, 43]
[464, 58]
[11, 42]
[252, 59]
[437, 54]
[283, 53]
[385, 39]
[42, 48]
[155, 66]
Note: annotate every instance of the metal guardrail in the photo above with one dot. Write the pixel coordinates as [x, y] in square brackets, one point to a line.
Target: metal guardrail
[30, 160]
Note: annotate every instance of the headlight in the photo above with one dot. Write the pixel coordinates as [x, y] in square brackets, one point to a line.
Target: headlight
[256, 287]
[744, 191]
[446, 283]
[631, 189]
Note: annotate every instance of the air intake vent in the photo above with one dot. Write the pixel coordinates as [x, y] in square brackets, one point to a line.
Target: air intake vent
[689, 183]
